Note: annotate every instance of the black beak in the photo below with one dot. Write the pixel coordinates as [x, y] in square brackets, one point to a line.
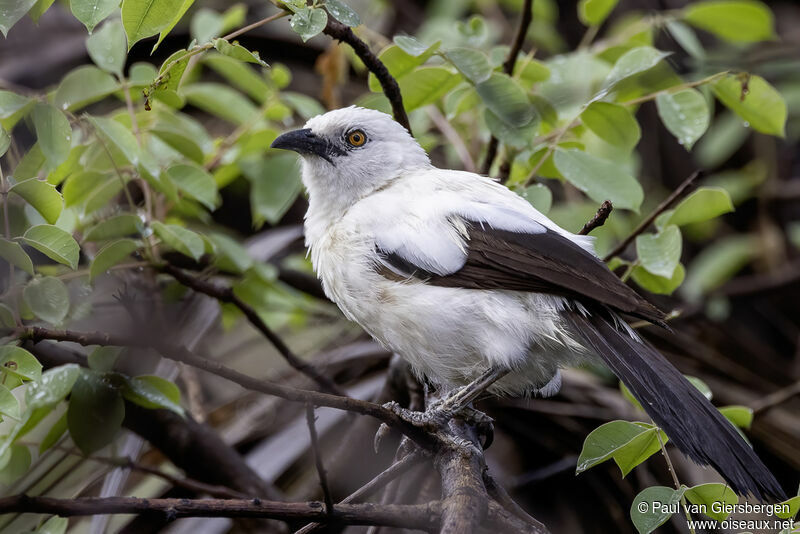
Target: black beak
[306, 142]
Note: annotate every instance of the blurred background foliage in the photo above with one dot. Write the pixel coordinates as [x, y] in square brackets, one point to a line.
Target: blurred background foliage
[140, 136]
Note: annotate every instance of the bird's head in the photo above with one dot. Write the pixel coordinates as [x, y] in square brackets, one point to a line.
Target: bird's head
[348, 153]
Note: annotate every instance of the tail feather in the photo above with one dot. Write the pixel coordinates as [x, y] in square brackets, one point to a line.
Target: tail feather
[697, 428]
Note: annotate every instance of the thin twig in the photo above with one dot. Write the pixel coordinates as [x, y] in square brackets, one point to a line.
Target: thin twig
[661, 208]
[392, 472]
[323, 476]
[227, 295]
[452, 136]
[421, 516]
[776, 397]
[499, 494]
[508, 68]
[340, 32]
[599, 218]
[675, 480]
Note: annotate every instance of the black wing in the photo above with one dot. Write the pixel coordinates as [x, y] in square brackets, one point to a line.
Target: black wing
[545, 262]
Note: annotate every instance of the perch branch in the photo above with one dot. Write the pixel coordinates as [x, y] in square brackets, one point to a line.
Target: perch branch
[323, 476]
[340, 32]
[421, 516]
[664, 206]
[508, 68]
[226, 294]
[599, 218]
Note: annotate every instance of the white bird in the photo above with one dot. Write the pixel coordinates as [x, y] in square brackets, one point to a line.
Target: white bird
[467, 281]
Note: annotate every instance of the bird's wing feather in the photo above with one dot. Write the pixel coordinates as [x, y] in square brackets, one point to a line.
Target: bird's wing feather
[482, 245]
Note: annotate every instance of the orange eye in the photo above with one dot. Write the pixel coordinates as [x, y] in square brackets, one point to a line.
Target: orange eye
[356, 138]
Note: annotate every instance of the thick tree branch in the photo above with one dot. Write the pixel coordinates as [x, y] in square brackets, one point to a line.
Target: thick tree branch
[226, 294]
[661, 208]
[420, 516]
[465, 501]
[508, 68]
[599, 218]
[340, 32]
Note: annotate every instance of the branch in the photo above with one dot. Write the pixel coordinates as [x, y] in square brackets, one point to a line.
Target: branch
[508, 68]
[465, 500]
[323, 477]
[226, 294]
[182, 354]
[599, 218]
[420, 516]
[664, 206]
[340, 32]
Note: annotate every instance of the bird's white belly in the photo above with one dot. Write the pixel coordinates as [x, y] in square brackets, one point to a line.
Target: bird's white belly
[450, 335]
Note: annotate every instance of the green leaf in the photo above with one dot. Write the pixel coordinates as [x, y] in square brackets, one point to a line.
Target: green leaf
[184, 241]
[54, 525]
[242, 76]
[605, 441]
[274, 186]
[91, 190]
[92, 12]
[17, 465]
[12, 108]
[83, 86]
[153, 392]
[103, 359]
[612, 123]
[793, 506]
[653, 506]
[701, 386]
[600, 179]
[54, 243]
[473, 64]
[685, 114]
[238, 52]
[741, 416]
[107, 47]
[110, 255]
[116, 134]
[196, 182]
[53, 132]
[401, 60]
[47, 298]
[7, 319]
[513, 136]
[143, 18]
[743, 21]
[708, 494]
[426, 85]
[18, 362]
[171, 73]
[506, 99]
[532, 72]
[594, 12]
[53, 386]
[175, 19]
[639, 449]
[11, 11]
[633, 62]
[95, 413]
[231, 256]
[9, 405]
[660, 253]
[5, 141]
[206, 24]
[717, 262]
[14, 254]
[757, 102]
[42, 196]
[222, 101]
[658, 284]
[53, 435]
[342, 12]
[308, 22]
[539, 196]
[704, 204]
[305, 106]
[686, 37]
[116, 226]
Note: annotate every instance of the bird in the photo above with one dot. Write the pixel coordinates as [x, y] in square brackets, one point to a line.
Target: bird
[474, 287]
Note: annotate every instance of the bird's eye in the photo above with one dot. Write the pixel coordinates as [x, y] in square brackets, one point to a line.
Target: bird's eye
[356, 138]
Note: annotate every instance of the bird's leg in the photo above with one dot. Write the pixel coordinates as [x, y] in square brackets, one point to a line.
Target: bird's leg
[443, 410]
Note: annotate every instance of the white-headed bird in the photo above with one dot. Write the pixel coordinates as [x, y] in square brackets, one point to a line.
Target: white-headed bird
[466, 280]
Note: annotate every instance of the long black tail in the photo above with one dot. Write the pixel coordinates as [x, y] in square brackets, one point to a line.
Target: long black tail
[688, 418]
